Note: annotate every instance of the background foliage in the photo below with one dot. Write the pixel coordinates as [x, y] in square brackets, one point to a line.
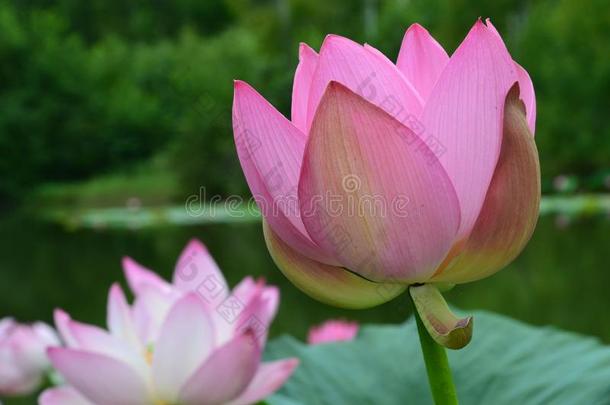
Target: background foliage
[91, 88]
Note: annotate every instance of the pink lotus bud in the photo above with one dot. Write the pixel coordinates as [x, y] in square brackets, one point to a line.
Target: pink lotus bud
[23, 360]
[388, 175]
[190, 342]
[332, 331]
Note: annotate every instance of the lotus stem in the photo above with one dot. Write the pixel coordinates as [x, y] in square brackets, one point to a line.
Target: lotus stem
[440, 379]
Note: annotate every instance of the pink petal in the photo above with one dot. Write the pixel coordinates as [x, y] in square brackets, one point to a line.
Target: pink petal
[526, 87]
[101, 379]
[268, 379]
[510, 210]
[149, 311]
[96, 340]
[528, 96]
[197, 271]
[463, 117]
[225, 374]
[6, 324]
[139, 276]
[186, 340]
[62, 396]
[62, 322]
[421, 59]
[270, 151]
[358, 153]
[365, 71]
[332, 331]
[308, 60]
[251, 305]
[120, 320]
[259, 313]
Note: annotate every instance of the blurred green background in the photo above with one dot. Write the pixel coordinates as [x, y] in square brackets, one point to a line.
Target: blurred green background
[108, 103]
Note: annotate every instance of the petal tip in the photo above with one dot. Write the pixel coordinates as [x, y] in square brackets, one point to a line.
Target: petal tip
[416, 28]
[195, 245]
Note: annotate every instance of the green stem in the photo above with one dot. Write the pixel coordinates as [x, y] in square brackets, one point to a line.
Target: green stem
[437, 366]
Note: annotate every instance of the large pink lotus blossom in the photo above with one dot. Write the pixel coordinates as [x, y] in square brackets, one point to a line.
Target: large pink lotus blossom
[23, 360]
[332, 331]
[190, 342]
[392, 174]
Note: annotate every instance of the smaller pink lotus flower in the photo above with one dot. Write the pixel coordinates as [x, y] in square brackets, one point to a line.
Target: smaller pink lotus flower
[191, 342]
[23, 360]
[332, 331]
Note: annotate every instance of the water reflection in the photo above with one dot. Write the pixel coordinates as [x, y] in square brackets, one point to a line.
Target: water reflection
[560, 279]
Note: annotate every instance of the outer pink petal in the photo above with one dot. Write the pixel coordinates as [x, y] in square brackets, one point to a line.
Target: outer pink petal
[186, 340]
[139, 276]
[421, 59]
[270, 151]
[395, 213]
[120, 319]
[62, 396]
[510, 211]
[528, 96]
[259, 313]
[268, 379]
[62, 322]
[308, 61]
[365, 71]
[332, 331]
[6, 325]
[526, 87]
[463, 117]
[101, 379]
[96, 340]
[197, 271]
[225, 374]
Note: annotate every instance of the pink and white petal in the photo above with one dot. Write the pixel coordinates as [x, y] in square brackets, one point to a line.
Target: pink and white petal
[62, 322]
[150, 309]
[268, 378]
[464, 115]
[258, 313]
[64, 395]
[357, 152]
[270, 150]
[196, 270]
[101, 379]
[421, 59]
[93, 339]
[45, 334]
[6, 325]
[308, 61]
[526, 87]
[242, 294]
[225, 374]
[185, 342]
[365, 71]
[120, 318]
[139, 276]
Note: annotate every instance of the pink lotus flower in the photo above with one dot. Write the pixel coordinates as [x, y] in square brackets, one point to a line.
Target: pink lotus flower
[190, 342]
[332, 331]
[23, 360]
[387, 175]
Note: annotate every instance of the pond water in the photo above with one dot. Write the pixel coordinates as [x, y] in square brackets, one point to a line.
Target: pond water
[561, 279]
